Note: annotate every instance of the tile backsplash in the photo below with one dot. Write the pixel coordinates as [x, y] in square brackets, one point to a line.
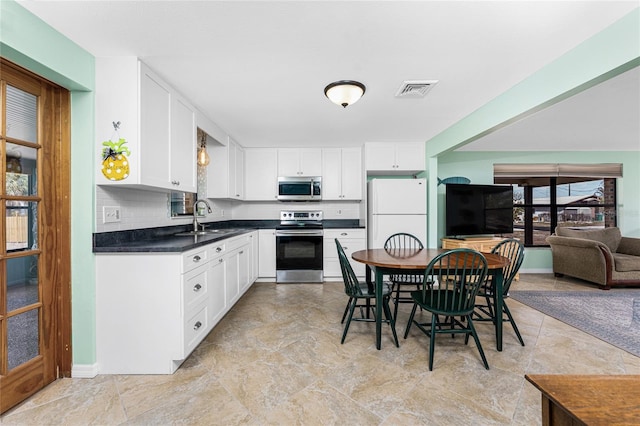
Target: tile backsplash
[142, 209]
[148, 209]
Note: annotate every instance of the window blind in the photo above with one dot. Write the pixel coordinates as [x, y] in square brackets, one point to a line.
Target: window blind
[538, 173]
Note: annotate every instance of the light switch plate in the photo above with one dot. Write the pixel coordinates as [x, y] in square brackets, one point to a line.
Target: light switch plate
[110, 214]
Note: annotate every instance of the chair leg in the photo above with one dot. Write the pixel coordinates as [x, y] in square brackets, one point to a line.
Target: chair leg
[477, 340]
[391, 319]
[346, 309]
[413, 312]
[513, 323]
[352, 307]
[432, 341]
[397, 301]
[492, 314]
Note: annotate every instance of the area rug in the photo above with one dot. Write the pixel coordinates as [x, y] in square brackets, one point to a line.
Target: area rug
[612, 316]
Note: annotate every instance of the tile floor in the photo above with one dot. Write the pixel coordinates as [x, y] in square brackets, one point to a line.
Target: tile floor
[276, 358]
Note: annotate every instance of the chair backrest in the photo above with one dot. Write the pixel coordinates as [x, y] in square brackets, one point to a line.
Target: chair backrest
[402, 240]
[452, 281]
[351, 283]
[399, 244]
[512, 249]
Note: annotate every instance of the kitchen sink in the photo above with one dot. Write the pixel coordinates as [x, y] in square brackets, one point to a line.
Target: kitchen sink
[191, 233]
[204, 232]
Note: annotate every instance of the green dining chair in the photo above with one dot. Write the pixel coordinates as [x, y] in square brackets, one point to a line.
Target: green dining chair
[403, 284]
[485, 311]
[449, 288]
[360, 296]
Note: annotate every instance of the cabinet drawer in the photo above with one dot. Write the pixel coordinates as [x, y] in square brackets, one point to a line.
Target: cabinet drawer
[217, 249]
[194, 288]
[344, 233]
[349, 245]
[194, 329]
[193, 259]
[235, 242]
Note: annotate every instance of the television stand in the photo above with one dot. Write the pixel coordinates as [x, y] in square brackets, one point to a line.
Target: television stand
[482, 244]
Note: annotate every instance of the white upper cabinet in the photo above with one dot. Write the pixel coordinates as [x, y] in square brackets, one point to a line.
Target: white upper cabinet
[395, 158]
[261, 174]
[157, 123]
[183, 146]
[341, 174]
[225, 172]
[236, 186]
[299, 162]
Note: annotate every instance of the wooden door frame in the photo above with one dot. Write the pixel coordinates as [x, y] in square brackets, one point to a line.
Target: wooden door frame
[54, 233]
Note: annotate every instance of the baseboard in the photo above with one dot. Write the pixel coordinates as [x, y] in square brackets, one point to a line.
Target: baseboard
[84, 371]
[536, 271]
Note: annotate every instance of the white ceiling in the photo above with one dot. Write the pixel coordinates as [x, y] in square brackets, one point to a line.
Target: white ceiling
[258, 69]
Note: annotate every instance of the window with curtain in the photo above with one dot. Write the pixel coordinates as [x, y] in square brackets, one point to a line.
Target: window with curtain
[546, 196]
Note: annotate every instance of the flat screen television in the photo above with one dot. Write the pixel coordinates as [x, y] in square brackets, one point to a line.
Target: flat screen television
[478, 209]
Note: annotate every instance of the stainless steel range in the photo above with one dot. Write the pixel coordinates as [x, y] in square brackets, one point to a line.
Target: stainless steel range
[299, 247]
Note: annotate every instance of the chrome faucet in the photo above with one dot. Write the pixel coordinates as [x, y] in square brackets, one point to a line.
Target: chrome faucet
[195, 213]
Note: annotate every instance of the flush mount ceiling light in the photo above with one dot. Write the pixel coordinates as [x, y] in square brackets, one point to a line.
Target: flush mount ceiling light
[344, 92]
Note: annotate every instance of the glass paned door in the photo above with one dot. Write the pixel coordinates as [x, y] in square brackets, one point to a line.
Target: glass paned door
[22, 305]
[35, 331]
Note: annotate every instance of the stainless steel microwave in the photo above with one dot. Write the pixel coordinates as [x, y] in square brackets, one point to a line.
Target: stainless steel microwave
[298, 188]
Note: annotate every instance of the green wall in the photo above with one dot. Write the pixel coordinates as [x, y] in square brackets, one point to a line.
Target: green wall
[611, 52]
[478, 166]
[31, 43]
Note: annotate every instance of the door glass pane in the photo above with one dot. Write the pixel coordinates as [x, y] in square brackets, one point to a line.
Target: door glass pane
[21, 170]
[21, 225]
[22, 115]
[22, 337]
[22, 282]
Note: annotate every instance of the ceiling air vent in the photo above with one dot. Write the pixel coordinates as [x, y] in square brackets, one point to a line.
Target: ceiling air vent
[415, 88]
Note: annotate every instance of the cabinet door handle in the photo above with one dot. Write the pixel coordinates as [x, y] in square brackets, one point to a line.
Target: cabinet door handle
[197, 287]
[242, 252]
[196, 258]
[197, 325]
[218, 249]
[346, 248]
[220, 260]
[344, 233]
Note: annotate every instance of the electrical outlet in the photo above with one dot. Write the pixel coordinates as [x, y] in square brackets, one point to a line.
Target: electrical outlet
[110, 214]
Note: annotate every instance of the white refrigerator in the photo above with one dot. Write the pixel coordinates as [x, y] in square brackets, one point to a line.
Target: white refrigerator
[396, 205]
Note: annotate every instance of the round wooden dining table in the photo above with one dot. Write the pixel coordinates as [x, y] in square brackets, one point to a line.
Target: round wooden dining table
[404, 261]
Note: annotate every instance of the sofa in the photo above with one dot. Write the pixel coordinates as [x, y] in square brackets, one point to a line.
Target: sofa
[601, 256]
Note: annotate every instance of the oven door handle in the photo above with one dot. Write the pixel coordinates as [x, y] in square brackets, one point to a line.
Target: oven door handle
[298, 232]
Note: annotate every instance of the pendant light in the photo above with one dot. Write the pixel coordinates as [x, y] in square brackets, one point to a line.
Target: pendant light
[203, 155]
[344, 92]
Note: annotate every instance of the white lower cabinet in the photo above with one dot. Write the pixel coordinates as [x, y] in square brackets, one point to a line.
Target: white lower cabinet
[267, 256]
[153, 309]
[351, 239]
[217, 288]
[253, 260]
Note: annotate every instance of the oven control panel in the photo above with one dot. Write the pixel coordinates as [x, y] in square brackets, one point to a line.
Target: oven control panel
[301, 216]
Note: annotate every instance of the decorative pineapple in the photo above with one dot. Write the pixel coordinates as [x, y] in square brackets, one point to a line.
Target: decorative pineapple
[115, 165]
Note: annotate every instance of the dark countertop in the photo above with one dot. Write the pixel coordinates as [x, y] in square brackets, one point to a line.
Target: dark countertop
[164, 240]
